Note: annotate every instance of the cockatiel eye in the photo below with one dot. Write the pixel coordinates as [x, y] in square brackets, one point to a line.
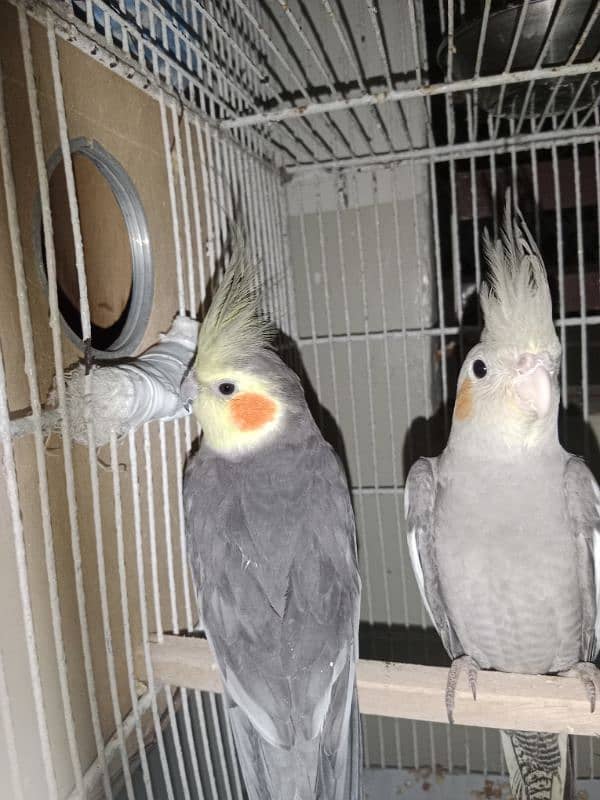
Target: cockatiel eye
[226, 388]
[479, 368]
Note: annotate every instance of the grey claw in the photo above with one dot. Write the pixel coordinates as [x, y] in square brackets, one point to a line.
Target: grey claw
[589, 675]
[590, 691]
[473, 682]
[471, 667]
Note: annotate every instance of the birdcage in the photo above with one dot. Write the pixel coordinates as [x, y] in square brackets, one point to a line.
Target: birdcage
[363, 147]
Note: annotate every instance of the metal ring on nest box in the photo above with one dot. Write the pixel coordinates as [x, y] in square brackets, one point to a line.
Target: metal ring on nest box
[122, 337]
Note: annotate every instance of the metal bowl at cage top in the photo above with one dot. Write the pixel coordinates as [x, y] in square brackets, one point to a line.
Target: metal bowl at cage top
[556, 26]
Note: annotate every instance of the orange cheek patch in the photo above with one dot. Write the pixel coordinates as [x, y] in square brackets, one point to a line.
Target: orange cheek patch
[463, 407]
[251, 411]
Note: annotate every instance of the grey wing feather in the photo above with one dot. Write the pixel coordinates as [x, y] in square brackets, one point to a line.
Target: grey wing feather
[583, 505]
[274, 772]
[419, 504]
[272, 547]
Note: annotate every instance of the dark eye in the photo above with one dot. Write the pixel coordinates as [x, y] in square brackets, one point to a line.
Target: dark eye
[227, 388]
[479, 368]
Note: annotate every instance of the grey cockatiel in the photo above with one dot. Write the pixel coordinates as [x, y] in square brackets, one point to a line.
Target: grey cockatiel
[503, 526]
[271, 542]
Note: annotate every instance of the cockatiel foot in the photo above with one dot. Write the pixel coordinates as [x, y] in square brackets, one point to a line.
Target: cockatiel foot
[589, 674]
[458, 665]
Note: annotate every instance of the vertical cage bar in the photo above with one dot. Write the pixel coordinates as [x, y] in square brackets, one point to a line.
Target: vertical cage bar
[168, 534]
[372, 425]
[183, 193]
[9, 736]
[329, 321]
[359, 498]
[396, 480]
[118, 514]
[141, 581]
[561, 276]
[212, 182]
[55, 330]
[30, 369]
[582, 302]
[12, 491]
[269, 278]
[152, 533]
[87, 338]
[276, 274]
[173, 203]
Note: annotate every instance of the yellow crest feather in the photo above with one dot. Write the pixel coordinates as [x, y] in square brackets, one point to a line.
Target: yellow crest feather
[515, 298]
[233, 328]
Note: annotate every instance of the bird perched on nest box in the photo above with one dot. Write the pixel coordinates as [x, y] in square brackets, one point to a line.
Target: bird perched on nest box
[271, 540]
[504, 525]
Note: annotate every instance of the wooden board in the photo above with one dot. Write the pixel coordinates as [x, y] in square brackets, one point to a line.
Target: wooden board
[523, 702]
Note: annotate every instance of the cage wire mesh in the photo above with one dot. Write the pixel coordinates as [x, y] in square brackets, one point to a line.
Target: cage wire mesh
[363, 145]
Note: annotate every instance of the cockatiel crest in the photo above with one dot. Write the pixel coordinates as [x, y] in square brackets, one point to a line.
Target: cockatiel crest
[515, 298]
[235, 383]
[508, 385]
[233, 328]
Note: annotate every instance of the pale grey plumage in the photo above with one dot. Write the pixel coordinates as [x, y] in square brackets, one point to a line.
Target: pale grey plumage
[503, 531]
[271, 543]
[474, 517]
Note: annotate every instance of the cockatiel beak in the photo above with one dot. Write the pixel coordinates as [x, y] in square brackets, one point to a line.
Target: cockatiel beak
[533, 383]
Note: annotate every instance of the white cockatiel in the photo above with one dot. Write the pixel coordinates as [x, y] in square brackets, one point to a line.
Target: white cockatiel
[504, 525]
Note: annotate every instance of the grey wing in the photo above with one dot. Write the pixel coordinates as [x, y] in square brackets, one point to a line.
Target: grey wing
[419, 503]
[583, 506]
[243, 637]
[275, 549]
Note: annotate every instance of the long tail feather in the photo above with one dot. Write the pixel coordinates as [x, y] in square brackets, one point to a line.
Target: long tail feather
[539, 765]
[304, 772]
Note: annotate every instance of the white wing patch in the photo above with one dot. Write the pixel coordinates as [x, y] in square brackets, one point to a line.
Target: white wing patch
[415, 560]
[596, 556]
[596, 552]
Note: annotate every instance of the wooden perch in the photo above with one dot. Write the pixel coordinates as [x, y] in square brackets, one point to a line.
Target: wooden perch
[504, 700]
